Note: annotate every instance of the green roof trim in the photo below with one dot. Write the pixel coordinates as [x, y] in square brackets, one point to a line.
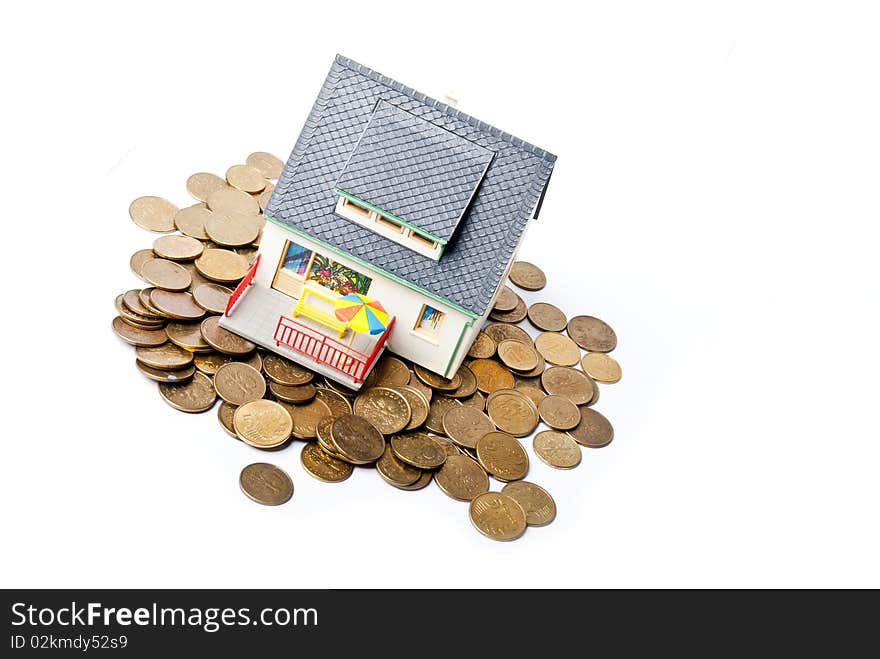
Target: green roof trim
[389, 216]
[372, 266]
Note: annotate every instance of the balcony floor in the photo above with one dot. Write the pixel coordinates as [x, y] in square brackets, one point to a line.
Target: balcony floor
[255, 317]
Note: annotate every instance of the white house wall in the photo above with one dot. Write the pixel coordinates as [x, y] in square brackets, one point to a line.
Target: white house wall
[400, 301]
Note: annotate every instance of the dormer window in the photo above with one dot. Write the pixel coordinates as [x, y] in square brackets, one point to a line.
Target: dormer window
[410, 180]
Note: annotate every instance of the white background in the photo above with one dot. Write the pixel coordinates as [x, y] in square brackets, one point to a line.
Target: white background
[715, 199]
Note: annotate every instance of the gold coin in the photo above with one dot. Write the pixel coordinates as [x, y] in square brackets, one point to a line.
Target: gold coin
[385, 408]
[533, 374]
[230, 200]
[262, 423]
[153, 214]
[568, 382]
[177, 248]
[166, 357]
[357, 439]
[468, 383]
[418, 405]
[177, 305]
[324, 466]
[498, 332]
[517, 355]
[233, 229]
[136, 336]
[221, 265]
[284, 371]
[209, 363]
[464, 425]
[514, 316]
[558, 349]
[159, 375]
[446, 444]
[483, 347]
[212, 297]
[307, 417]
[394, 470]
[424, 389]
[439, 406]
[506, 301]
[491, 375]
[527, 276]
[265, 196]
[388, 372]
[478, 401]
[537, 503]
[222, 340]
[559, 412]
[202, 184]
[601, 367]
[502, 456]
[557, 449]
[547, 317]
[225, 414]
[423, 481]
[196, 395]
[238, 383]
[137, 260]
[419, 450]
[498, 516]
[436, 381]
[190, 221]
[267, 164]
[197, 278]
[462, 478]
[336, 402]
[144, 297]
[296, 394]
[135, 319]
[592, 334]
[166, 275]
[132, 301]
[245, 178]
[533, 393]
[188, 336]
[266, 484]
[512, 411]
[593, 430]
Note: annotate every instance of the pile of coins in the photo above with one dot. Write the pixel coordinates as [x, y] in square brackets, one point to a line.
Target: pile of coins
[411, 425]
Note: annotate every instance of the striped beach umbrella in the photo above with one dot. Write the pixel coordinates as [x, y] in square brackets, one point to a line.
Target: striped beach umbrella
[363, 314]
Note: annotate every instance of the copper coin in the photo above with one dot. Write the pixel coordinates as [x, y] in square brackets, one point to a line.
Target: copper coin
[527, 276]
[418, 450]
[491, 375]
[462, 478]
[178, 305]
[436, 381]
[418, 405]
[296, 394]
[267, 164]
[593, 430]
[307, 417]
[137, 260]
[569, 382]
[222, 340]
[221, 265]
[166, 274]
[233, 229]
[245, 178]
[262, 423]
[424, 389]
[230, 200]
[388, 372]
[226, 415]
[238, 383]
[138, 337]
[506, 300]
[159, 375]
[188, 336]
[478, 400]
[534, 394]
[483, 347]
[464, 425]
[537, 503]
[518, 356]
[512, 412]
[547, 317]
[323, 466]
[385, 408]
[284, 371]
[557, 349]
[196, 395]
[190, 221]
[166, 357]
[395, 471]
[266, 484]
[559, 412]
[501, 331]
[177, 248]
[153, 214]
[132, 301]
[592, 334]
[212, 297]
[336, 402]
[557, 449]
[357, 439]
[468, 383]
[440, 405]
[498, 516]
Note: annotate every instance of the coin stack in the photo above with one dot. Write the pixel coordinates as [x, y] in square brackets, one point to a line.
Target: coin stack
[411, 425]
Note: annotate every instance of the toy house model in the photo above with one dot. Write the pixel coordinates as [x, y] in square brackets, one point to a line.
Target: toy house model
[393, 225]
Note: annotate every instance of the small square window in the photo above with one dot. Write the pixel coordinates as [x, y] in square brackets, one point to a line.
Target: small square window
[427, 242]
[429, 320]
[390, 224]
[357, 209]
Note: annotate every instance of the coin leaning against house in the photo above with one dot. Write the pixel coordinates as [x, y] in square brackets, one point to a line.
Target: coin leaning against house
[409, 424]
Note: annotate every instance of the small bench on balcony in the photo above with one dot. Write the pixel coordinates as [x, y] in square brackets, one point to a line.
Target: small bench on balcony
[326, 318]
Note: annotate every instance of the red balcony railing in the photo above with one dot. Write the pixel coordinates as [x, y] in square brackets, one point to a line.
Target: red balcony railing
[327, 350]
[242, 286]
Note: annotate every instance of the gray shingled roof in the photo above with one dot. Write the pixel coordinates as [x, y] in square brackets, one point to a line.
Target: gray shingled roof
[477, 256]
[415, 170]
